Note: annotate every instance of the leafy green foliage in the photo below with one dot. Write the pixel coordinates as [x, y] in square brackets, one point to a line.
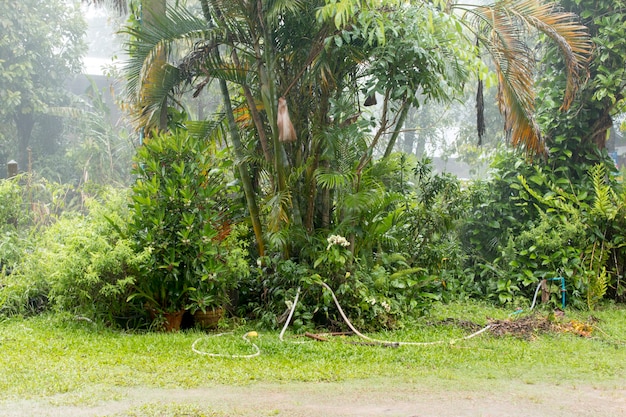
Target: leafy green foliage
[80, 263]
[551, 227]
[181, 211]
[40, 47]
[13, 221]
[577, 137]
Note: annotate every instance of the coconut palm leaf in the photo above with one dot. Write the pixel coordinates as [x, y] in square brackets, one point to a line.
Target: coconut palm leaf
[503, 29]
[150, 78]
[276, 8]
[333, 180]
[214, 130]
[567, 33]
[278, 204]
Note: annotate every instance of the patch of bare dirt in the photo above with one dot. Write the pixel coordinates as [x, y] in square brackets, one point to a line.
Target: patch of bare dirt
[367, 398]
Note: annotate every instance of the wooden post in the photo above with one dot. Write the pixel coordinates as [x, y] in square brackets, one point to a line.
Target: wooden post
[12, 168]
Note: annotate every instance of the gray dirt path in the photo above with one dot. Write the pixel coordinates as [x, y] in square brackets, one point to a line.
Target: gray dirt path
[355, 398]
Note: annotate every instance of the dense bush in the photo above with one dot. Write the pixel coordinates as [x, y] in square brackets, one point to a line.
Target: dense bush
[183, 210]
[388, 260]
[423, 238]
[13, 221]
[80, 263]
[534, 224]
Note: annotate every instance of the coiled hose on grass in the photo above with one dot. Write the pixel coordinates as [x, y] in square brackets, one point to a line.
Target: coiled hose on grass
[345, 319]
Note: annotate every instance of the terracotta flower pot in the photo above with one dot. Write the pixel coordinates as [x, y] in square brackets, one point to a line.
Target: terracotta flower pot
[208, 319]
[172, 321]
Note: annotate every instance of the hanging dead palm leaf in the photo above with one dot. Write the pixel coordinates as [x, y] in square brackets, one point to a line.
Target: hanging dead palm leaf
[503, 29]
[286, 131]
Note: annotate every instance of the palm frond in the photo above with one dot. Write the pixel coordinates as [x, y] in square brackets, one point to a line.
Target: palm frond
[276, 8]
[333, 180]
[503, 37]
[503, 29]
[151, 72]
[566, 32]
[211, 130]
[278, 205]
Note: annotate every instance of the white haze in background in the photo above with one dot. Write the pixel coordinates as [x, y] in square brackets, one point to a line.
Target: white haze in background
[105, 46]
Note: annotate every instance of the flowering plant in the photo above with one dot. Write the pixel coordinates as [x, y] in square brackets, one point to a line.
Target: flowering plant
[333, 261]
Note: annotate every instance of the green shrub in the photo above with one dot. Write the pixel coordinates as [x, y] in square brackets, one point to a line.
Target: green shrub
[182, 209]
[13, 223]
[529, 223]
[81, 264]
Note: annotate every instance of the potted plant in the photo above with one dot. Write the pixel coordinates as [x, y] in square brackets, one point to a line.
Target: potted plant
[178, 203]
[207, 308]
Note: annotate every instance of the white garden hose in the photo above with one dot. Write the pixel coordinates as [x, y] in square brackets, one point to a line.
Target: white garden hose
[535, 296]
[225, 355]
[389, 343]
[345, 318]
[293, 308]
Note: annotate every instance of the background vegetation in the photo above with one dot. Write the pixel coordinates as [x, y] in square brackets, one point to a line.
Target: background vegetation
[225, 211]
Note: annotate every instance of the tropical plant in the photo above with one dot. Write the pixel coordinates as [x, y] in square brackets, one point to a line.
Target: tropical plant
[320, 64]
[80, 263]
[14, 221]
[577, 137]
[182, 208]
[405, 55]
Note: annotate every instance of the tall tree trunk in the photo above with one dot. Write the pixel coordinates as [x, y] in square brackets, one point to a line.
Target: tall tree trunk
[246, 182]
[265, 57]
[152, 9]
[313, 198]
[24, 122]
[394, 137]
[409, 135]
[243, 170]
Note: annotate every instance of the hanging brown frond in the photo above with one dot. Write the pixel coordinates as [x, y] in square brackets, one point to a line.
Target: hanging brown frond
[566, 31]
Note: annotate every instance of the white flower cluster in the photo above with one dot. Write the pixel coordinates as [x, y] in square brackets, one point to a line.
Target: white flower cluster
[384, 304]
[337, 240]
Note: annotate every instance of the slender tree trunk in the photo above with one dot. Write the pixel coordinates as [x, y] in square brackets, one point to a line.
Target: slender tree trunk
[394, 137]
[409, 136]
[246, 182]
[243, 170]
[150, 10]
[254, 113]
[310, 181]
[24, 122]
[367, 156]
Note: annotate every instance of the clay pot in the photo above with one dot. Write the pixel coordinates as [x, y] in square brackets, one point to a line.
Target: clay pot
[208, 319]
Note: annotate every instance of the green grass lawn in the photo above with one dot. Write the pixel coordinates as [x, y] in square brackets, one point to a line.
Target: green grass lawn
[49, 355]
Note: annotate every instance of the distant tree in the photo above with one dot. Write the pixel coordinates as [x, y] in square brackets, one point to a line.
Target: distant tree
[40, 47]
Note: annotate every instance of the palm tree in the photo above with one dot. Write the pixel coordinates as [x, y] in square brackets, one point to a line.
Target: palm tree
[324, 58]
